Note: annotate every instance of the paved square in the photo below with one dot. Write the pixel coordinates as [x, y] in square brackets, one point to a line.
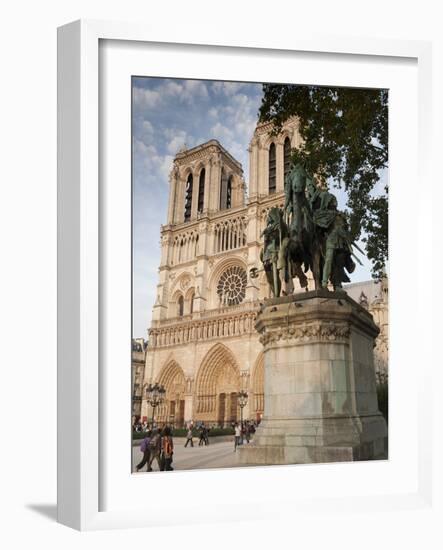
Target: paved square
[215, 455]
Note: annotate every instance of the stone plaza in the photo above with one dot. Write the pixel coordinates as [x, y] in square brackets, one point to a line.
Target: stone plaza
[218, 454]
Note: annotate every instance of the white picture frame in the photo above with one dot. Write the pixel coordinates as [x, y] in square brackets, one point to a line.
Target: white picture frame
[80, 389]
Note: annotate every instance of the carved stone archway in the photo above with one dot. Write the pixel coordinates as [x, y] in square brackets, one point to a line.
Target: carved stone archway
[217, 386]
[172, 410]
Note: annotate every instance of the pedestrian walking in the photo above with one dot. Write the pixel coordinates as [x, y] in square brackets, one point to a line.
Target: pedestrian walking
[167, 449]
[247, 432]
[189, 437]
[154, 449]
[237, 431]
[144, 448]
[202, 440]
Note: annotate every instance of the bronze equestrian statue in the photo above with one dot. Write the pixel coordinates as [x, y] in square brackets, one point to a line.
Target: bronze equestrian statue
[310, 234]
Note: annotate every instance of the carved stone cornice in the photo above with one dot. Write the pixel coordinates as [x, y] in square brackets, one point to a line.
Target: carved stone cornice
[315, 316]
[315, 332]
[191, 329]
[203, 152]
[267, 127]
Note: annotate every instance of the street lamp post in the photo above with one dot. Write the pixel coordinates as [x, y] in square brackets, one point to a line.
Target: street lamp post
[242, 400]
[155, 396]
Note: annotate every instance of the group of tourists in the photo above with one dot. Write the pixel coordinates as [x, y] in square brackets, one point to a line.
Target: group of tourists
[139, 426]
[203, 432]
[157, 445]
[243, 432]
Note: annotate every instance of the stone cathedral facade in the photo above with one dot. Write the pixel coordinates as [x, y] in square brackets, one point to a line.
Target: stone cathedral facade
[203, 346]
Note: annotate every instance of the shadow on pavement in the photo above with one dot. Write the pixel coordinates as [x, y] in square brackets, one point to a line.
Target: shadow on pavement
[48, 511]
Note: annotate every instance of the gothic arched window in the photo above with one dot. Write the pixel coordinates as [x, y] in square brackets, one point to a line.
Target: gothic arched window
[181, 305]
[201, 191]
[188, 198]
[191, 303]
[286, 157]
[272, 169]
[229, 193]
[225, 191]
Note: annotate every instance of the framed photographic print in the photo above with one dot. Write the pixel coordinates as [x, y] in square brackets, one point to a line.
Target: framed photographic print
[231, 265]
[239, 239]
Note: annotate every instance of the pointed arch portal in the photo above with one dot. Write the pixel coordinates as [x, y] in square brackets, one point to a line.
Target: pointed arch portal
[217, 387]
[172, 410]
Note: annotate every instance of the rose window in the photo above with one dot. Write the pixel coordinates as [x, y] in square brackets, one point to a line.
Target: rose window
[231, 287]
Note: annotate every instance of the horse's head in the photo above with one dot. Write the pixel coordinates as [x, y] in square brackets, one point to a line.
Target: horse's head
[297, 178]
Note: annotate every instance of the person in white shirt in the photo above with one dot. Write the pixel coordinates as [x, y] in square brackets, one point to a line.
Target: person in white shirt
[237, 430]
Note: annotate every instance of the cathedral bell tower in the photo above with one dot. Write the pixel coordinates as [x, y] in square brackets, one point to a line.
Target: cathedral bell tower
[204, 180]
[270, 158]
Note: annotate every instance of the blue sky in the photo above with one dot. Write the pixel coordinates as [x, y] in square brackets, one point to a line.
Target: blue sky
[167, 114]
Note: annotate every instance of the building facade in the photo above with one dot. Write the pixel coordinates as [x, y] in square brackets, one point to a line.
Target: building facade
[203, 346]
[374, 296]
[138, 362]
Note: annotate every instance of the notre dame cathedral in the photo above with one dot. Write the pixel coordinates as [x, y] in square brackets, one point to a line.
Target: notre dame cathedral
[203, 347]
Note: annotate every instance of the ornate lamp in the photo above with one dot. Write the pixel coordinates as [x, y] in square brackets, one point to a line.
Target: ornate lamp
[242, 400]
[155, 396]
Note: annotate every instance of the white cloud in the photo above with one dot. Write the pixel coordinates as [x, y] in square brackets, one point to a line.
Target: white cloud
[171, 88]
[185, 92]
[147, 127]
[144, 131]
[238, 151]
[246, 126]
[239, 116]
[140, 148]
[196, 88]
[221, 132]
[165, 167]
[178, 140]
[241, 101]
[151, 166]
[146, 98]
[227, 88]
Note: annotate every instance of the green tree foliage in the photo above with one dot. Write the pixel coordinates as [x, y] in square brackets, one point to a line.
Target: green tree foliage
[345, 141]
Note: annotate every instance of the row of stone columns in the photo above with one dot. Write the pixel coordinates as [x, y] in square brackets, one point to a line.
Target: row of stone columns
[191, 410]
[231, 326]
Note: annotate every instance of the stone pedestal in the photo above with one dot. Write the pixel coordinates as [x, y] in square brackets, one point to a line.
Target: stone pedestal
[320, 394]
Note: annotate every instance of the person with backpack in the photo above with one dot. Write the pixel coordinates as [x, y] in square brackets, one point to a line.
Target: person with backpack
[154, 449]
[167, 449]
[144, 448]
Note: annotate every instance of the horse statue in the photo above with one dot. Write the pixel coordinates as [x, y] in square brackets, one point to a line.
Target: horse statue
[281, 256]
[297, 248]
[310, 233]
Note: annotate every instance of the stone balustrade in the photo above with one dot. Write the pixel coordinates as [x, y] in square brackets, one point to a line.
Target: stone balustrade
[237, 323]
